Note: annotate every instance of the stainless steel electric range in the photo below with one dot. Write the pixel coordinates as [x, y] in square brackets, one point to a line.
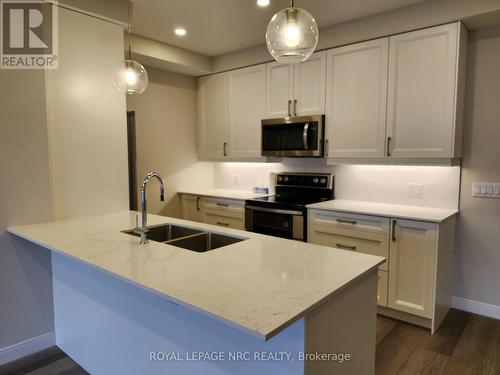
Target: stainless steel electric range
[285, 214]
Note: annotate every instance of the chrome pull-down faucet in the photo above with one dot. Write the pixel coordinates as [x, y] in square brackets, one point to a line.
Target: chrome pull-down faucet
[143, 229]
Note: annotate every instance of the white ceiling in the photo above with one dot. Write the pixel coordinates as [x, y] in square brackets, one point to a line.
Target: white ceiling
[216, 27]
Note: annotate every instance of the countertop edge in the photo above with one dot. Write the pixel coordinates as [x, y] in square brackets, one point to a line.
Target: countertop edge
[276, 331]
[222, 195]
[453, 212]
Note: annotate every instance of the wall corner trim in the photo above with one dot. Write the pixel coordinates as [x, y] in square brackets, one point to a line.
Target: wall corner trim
[476, 307]
[27, 347]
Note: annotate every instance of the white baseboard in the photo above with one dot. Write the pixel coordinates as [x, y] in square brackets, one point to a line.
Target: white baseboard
[24, 348]
[476, 307]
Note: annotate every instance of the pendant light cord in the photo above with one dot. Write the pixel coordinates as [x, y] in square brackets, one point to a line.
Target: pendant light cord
[129, 29]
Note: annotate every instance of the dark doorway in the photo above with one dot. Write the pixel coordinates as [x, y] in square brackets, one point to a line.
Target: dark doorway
[132, 161]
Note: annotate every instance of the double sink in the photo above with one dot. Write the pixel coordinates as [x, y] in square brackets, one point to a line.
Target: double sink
[187, 238]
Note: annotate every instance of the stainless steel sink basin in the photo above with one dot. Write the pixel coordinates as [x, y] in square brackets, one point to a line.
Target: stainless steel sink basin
[187, 238]
[205, 242]
[165, 232]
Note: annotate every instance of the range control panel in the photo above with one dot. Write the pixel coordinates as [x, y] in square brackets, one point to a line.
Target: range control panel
[304, 180]
[486, 190]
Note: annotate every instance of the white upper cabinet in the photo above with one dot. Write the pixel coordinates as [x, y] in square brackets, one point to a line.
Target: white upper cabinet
[279, 89]
[212, 116]
[424, 110]
[309, 84]
[356, 99]
[391, 100]
[298, 89]
[246, 109]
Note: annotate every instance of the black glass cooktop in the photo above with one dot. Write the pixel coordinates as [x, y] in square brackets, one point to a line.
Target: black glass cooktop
[289, 202]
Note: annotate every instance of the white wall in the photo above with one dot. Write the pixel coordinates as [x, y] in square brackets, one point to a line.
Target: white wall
[166, 135]
[356, 182]
[25, 270]
[62, 154]
[477, 266]
[87, 119]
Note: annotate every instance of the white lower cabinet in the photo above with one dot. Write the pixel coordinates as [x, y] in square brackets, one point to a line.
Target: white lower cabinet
[191, 208]
[224, 213]
[228, 213]
[412, 268]
[382, 287]
[361, 233]
[414, 283]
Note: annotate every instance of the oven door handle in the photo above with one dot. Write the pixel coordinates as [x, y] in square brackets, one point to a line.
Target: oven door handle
[304, 136]
[274, 210]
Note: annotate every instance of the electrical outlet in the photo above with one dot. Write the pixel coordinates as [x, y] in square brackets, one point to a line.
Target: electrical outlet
[416, 191]
[486, 189]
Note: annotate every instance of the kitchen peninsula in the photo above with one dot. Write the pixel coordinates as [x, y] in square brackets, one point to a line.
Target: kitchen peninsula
[122, 307]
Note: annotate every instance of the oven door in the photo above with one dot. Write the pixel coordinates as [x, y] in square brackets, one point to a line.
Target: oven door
[275, 222]
[293, 137]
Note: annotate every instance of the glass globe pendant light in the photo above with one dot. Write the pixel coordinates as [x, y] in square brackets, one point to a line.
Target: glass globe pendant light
[292, 35]
[132, 76]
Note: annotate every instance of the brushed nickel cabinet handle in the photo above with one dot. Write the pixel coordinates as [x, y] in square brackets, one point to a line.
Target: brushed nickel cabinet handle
[223, 224]
[393, 230]
[198, 203]
[289, 109]
[295, 107]
[326, 145]
[388, 146]
[345, 221]
[225, 148]
[222, 204]
[347, 247]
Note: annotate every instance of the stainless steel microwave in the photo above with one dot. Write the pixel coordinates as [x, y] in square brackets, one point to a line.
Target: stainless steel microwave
[294, 136]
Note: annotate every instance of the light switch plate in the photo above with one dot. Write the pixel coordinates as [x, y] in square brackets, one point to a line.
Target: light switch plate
[486, 189]
[416, 191]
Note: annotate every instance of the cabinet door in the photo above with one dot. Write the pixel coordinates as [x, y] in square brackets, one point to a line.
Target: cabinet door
[279, 89]
[382, 288]
[246, 109]
[212, 122]
[191, 208]
[309, 85]
[356, 99]
[421, 95]
[412, 267]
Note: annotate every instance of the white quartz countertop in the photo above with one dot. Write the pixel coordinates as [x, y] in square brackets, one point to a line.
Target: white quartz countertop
[386, 209]
[223, 193]
[260, 285]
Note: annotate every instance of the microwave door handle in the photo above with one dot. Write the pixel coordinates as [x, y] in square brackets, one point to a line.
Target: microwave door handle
[304, 136]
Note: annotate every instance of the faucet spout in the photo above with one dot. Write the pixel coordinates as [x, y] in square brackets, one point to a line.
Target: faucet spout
[144, 222]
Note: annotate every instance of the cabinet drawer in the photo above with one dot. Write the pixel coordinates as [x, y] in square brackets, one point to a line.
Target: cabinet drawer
[225, 221]
[382, 288]
[350, 240]
[225, 207]
[341, 220]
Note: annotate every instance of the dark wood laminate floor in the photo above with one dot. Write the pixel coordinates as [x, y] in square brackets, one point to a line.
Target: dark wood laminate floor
[466, 344]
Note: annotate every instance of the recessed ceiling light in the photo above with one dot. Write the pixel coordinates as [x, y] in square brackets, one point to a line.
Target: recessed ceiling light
[263, 3]
[180, 31]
